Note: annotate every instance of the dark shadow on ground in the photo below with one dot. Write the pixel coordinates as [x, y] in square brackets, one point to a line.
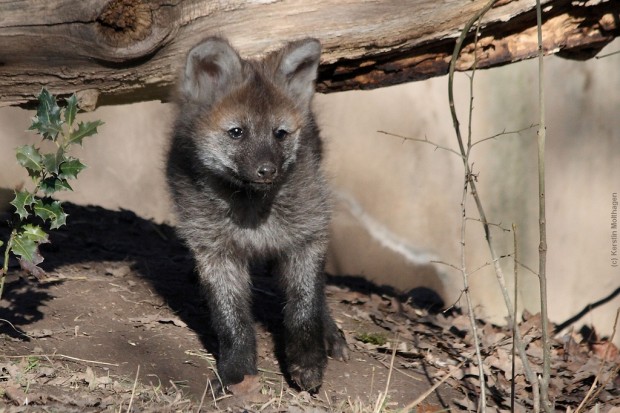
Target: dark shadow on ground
[95, 234]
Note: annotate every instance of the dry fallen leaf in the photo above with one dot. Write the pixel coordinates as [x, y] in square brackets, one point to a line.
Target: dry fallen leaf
[90, 378]
[246, 392]
[14, 393]
[119, 271]
[605, 350]
[249, 385]
[429, 408]
[40, 333]
[532, 325]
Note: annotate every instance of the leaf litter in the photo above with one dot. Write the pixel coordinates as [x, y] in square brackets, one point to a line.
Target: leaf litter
[122, 250]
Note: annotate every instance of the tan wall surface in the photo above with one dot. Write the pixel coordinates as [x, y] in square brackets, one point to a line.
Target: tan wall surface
[398, 201]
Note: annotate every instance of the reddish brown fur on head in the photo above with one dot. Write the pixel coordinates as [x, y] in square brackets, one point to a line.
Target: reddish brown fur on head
[249, 114]
[213, 67]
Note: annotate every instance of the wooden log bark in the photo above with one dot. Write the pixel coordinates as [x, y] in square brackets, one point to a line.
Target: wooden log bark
[121, 51]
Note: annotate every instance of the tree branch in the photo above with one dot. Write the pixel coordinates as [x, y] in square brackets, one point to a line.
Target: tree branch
[498, 270]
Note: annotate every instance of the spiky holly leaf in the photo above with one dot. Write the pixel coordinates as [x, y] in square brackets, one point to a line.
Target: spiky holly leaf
[54, 184]
[71, 110]
[22, 200]
[47, 122]
[52, 212]
[84, 129]
[52, 161]
[30, 158]
[24, 247]
[35, 233]
[71, 168]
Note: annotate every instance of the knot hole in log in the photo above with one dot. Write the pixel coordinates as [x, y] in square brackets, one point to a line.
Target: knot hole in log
[130, 31]
[125, 22]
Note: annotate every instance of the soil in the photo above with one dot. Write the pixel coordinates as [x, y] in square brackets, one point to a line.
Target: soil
[119, 324]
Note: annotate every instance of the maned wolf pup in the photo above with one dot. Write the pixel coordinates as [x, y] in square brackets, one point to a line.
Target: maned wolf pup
[245, 172]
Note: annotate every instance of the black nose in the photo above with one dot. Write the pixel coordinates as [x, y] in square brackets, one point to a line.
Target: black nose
[266, 171]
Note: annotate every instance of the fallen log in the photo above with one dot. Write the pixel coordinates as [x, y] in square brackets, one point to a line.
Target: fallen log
[121, 51]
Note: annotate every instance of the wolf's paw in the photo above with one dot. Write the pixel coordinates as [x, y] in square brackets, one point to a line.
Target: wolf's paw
[336, 346]
[306, 365]
[307, 378]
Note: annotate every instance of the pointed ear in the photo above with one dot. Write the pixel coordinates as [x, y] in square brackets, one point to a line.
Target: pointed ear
[298, 66]
[210, 68]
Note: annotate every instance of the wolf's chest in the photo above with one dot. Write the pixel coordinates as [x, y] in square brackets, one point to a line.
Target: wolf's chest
[279, 228]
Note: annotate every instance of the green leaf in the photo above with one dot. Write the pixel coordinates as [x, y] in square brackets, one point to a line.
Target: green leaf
[29, 157]
[24, 247]
[22, 200]
[52, 212]
[47, 122]
[35, 233]
[52, 161]
[54, 184]
[71, 168]
[84, 129]
[71, 110]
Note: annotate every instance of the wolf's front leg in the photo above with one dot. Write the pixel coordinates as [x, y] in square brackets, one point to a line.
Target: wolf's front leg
[302, 276]
[229, 295]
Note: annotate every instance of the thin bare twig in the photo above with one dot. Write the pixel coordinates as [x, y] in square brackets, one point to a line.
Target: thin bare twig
[490, 223]
[482, 402]
[433, 388]
[527, 268]
[458, 299]
[486, 264]
[5, 264]
[470, 307]
[446, 264]
[372, 381]
[62, 356]
[381, 399]
[204, 394]
[425, 140]
[389, 377]
[498, 270]
[514, 325]
[542, 221]
[133, 391]
[269, 403]
[395, 369]
[281, 392]
[503, 133]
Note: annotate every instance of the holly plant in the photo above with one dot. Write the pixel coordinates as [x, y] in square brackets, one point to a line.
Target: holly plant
[50, 172]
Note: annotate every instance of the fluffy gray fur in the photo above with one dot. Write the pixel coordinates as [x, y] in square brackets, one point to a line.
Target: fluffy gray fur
[244, 169]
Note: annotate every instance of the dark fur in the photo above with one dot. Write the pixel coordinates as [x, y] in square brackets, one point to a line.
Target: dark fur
[253, 198]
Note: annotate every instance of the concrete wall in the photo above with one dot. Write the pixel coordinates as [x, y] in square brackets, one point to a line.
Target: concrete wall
[399, 201]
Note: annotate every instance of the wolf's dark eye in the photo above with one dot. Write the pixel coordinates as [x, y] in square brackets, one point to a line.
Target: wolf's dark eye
[280, 134]
[235, 133]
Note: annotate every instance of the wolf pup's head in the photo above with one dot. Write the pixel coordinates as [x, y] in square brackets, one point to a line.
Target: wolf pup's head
[248, 117]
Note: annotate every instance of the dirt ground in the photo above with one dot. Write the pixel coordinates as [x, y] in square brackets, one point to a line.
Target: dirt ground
[119, 324]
